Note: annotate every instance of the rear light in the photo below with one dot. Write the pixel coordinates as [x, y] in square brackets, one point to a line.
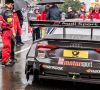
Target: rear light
[48, 46]
[44, 48]
[41, 54]
[97, 49]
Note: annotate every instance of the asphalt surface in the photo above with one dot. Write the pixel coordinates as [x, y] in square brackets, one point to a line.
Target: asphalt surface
[13, 78]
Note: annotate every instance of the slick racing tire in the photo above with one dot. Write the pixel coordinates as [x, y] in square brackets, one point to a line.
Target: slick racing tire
[36, 76]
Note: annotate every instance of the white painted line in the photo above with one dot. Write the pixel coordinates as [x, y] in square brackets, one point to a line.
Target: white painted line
[20, 51]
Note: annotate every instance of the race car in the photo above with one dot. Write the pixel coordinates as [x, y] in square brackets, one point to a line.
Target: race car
[70, 52]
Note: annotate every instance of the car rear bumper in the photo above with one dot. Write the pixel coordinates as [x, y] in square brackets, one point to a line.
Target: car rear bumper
[63, 78]
[58, 74]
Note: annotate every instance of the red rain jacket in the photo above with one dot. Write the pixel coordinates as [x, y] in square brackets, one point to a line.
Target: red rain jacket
[96, 15]
[44, 15]
[4, 24]
[16, 24]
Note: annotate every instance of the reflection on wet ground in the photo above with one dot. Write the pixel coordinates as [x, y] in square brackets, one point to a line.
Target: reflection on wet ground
[13, 78]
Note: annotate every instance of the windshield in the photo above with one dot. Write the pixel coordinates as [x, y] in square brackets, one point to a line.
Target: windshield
[75, 33]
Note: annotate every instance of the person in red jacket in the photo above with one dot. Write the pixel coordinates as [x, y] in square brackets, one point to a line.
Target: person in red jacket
[7, 31]
[90, 16]
[17, 28]
[96, 12]
[36, 29]
[16, 24]
[44, 17]
[44, 13]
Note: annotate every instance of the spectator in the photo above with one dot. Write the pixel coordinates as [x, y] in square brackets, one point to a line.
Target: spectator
[96, 12]
[89, 15]
[44, 13]
[70, 14]
[36, 30]
[44, 17]
[54, 13]
[82, 14]
[18, 36]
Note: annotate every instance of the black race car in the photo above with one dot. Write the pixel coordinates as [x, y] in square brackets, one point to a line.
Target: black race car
[70, 52]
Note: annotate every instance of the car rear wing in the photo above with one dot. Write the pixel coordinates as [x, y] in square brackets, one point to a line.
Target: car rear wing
[70, 23]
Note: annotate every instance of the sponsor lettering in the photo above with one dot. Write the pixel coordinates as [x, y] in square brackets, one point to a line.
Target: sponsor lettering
[74, 63]
[93, 71]
[53, 67]
[78, 64]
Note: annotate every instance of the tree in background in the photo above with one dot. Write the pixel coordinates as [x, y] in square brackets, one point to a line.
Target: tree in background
[75, 4]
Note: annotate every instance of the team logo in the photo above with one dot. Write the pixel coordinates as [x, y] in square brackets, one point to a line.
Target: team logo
[75, 53]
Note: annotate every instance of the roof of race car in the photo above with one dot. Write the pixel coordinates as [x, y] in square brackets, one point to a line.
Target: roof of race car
[67, 23]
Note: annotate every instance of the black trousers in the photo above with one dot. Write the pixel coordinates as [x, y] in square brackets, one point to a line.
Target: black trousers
[18, 38]
[36, 34]
[12, 49]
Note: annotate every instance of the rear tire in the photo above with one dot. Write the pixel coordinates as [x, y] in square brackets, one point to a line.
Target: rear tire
[36, 76]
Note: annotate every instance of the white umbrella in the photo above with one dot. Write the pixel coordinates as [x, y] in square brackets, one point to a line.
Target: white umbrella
[19, 4]
[43, 2]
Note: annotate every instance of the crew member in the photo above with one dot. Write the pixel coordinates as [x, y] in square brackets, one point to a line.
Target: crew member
[17, 29]
[7, 31]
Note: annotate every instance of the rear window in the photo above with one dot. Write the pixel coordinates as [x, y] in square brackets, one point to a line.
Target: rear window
[77, 33]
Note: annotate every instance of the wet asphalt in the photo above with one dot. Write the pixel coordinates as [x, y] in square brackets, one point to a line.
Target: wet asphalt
[13, 78]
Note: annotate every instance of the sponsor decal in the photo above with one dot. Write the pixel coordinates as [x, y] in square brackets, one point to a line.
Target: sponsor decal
[93, 71]
[74, 63]
[53, 67]
[61, 61]
[78, 64]
[75, 53]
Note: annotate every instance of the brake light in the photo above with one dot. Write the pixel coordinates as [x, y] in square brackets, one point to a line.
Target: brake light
[97, 49]
[44, 48]
[48, 46]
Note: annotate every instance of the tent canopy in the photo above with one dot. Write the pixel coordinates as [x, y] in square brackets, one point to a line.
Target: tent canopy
[43, 2]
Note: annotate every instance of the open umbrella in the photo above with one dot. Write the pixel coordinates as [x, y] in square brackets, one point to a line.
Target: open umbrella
[19, 4]
[43, 2]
